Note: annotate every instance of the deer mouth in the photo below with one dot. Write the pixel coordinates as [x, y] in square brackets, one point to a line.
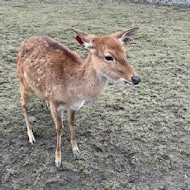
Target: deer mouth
[125, 82]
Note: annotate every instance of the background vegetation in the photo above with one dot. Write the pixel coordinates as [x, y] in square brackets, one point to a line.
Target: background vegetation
[149, 124]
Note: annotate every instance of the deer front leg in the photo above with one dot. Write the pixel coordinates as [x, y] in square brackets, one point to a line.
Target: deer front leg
[71, 118]
[57, 116]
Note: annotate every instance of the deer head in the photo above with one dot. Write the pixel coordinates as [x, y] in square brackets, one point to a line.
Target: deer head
[108, 55]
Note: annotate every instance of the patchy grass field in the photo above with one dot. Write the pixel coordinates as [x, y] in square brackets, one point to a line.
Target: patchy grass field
[149, 124]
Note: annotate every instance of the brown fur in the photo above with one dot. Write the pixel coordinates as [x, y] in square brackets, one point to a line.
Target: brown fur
[55, 73]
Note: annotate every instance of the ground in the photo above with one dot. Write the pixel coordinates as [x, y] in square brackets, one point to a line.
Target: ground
[129, 138]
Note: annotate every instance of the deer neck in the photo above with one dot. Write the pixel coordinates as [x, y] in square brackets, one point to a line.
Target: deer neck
[94, 74]
[94, 81]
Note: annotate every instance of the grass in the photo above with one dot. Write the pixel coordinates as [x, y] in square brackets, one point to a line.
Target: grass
[149, 124]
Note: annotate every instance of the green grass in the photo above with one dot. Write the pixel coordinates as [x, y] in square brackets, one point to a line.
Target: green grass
[149, 124]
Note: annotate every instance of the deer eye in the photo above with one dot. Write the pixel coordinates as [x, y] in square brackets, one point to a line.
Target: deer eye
[109, 58]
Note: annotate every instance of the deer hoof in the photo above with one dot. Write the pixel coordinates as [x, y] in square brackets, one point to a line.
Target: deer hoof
[31, 137]
[57, 164]
[76, 151]
[31, 141]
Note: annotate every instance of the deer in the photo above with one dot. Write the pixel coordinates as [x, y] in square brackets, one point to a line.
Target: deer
[56, 74]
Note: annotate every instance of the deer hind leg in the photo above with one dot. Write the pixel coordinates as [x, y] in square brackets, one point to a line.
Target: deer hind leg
[45, 103]
[71, 118]
[57, 116]
[26, 93]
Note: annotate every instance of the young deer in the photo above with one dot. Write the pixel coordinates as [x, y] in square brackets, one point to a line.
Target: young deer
[58, 75]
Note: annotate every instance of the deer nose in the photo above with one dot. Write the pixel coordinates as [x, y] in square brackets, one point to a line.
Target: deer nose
[136, 80]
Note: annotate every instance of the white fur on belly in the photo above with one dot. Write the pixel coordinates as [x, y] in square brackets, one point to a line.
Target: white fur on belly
[75, 106]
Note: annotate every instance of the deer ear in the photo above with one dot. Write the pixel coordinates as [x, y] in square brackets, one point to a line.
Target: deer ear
[85, 37]
[125, 36]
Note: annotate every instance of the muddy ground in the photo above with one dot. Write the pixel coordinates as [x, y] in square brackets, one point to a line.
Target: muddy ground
[149, 124]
